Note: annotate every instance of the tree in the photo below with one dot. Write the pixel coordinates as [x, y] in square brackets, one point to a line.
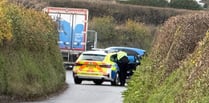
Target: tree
[105, 30]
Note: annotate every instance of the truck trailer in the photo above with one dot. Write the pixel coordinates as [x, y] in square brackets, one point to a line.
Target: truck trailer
[72, 25]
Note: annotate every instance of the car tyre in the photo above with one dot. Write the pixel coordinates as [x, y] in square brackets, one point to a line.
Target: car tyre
[77, 80]
[116, 80]
[98, 82]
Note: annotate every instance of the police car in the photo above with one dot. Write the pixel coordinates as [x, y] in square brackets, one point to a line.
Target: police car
[96, 66]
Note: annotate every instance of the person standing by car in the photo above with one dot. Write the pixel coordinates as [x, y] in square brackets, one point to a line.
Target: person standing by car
[122, 61]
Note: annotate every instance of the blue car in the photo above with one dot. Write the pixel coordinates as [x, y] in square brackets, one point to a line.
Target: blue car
[138, 53]
[134, 56]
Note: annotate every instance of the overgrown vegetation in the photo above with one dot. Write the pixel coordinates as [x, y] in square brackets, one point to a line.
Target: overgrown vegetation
[185, 4]
[121, 12]
[158, 3]
[35, 4]
[135, 24]
[130, 34]
[30, 61]
[5, 28]
[176, 69]
[180, 4]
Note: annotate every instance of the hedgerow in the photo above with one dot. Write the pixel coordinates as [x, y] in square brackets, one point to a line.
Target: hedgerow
[180, 4]
[30, 60]
[131, 33]
[176, 68]
[121, 12]
[5, 28]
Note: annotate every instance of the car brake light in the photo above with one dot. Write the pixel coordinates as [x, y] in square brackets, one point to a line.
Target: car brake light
[105, 66]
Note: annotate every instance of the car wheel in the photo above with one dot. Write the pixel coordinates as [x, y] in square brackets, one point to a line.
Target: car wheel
[77, 80]
[116, 80]
[98, 82]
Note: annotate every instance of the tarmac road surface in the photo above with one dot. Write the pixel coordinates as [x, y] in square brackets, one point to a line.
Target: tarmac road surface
[87, 92]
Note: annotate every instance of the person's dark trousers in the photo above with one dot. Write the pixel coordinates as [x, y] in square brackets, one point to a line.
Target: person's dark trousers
[122, 73]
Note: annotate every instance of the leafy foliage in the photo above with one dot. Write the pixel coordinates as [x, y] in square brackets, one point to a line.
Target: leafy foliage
[31, 59]
[181, 4]
[35, 4]
[176, 69]
[159, 3]
[130, 34]
[121, 13]
[134, 34]
[185, 4]
[5, 28]
[105, 28]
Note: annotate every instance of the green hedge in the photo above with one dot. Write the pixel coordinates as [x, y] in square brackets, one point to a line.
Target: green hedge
[176, 69]
[158, 3]
[122, 12]
[30, 62]
[185, 4]
[130, 34]
[180, 4]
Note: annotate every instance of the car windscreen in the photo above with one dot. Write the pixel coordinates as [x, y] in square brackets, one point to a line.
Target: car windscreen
[92, 57]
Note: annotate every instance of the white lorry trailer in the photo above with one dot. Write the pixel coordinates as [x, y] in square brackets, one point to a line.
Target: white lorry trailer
[72, 28]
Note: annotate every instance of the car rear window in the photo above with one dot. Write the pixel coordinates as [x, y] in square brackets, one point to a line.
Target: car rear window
[92, 57]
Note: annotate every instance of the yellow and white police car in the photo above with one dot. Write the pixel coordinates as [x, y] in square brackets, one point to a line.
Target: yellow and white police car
[96, 66]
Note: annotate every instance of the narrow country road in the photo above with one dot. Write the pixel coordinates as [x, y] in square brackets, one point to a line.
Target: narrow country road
[87, 92]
